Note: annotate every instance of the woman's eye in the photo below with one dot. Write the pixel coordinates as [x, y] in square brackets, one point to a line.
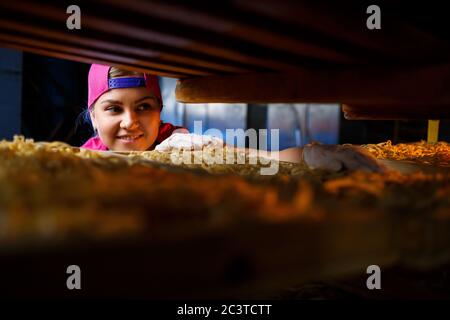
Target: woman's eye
[113, 109]
[144, 107]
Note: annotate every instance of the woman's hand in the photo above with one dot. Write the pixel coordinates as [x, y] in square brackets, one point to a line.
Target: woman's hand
[340, 157]
[188, 141]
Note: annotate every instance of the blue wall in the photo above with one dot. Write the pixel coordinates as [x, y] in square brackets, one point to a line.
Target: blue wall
[10, 92]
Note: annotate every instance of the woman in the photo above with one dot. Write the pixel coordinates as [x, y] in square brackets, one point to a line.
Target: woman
[125, 108]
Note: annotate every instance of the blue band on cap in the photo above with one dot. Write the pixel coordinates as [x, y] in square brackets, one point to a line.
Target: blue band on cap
[116, 83]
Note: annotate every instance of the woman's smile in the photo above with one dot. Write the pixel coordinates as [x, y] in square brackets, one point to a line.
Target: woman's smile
[129, 138]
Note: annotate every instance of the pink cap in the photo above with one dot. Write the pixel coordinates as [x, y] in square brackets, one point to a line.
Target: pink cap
[98, 83]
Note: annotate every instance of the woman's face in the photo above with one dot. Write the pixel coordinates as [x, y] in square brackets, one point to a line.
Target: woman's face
[127, 119]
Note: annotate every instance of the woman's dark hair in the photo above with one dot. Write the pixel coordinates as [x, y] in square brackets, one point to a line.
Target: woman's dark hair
[85, 118]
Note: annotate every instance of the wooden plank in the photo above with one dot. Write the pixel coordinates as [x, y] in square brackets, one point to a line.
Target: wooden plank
[368, 86]
[399, 39]
[84, 59]
[97, 54]
[129, 47]
[148, 33]
[235, 26]
[278, 35]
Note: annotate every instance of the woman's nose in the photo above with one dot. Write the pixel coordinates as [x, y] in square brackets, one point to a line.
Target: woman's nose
[129, 121]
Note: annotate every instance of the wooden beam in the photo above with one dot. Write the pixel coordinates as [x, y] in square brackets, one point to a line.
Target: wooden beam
[125, 25]
[241, 36]
[368, 86]
[84, 59]
[106, 56]
[36, 28]
[236, 25]
[398, 39]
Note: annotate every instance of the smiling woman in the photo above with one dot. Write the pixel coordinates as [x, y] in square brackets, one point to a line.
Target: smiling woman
[124, 108]
[127, 119]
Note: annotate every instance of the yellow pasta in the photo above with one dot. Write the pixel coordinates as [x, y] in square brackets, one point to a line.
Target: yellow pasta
[51, 190]
[437, 154]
